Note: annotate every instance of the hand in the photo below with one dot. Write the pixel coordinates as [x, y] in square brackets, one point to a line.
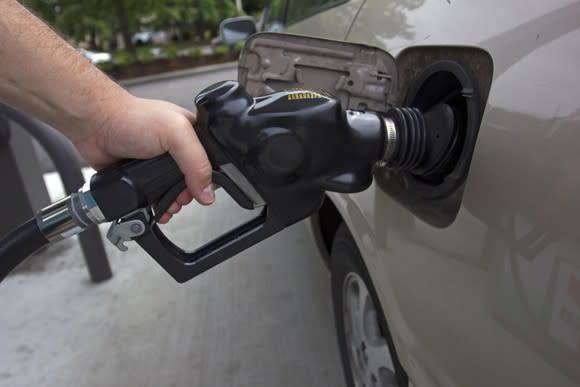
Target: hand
[141, 128]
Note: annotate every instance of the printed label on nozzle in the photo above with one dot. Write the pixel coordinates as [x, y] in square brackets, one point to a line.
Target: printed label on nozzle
[301, 94]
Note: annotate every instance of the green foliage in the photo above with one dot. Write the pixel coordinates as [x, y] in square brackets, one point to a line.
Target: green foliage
[123, 58]
[239, 46]
[145, 55]
[105, 67]
[222, 50]
[100, 19]
[170, 51]
[225, 50]
[194, 53]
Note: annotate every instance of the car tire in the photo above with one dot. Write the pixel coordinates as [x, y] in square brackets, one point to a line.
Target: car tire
[366, 347]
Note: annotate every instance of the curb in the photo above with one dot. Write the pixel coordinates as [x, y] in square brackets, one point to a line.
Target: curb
[178, 74]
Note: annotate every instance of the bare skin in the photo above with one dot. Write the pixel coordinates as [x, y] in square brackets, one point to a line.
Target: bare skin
[44, 76]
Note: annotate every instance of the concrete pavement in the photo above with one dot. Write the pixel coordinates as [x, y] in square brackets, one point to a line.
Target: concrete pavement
[182, 90]
[261, 319]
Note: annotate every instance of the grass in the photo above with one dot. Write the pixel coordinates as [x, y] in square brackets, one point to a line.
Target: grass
[224, 50]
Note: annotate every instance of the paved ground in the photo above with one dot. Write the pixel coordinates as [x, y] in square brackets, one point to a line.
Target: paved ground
[183, 90]
[262, 319]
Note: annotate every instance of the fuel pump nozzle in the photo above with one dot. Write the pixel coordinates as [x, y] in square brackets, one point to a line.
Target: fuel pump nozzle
[279, 152]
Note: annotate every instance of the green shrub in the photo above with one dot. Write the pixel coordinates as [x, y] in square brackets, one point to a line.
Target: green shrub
[222, 50]
[239, 46]
[170, 52]
[194, 53]
[145, 55]
[123, 58]
[105, 67]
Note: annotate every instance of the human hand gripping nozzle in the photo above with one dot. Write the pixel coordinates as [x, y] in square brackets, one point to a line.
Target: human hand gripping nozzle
[279, 152]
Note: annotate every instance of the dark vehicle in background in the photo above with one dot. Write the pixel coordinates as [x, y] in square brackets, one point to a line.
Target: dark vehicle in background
[142, 38]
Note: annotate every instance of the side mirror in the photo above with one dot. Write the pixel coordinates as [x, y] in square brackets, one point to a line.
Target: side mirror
[237, 29]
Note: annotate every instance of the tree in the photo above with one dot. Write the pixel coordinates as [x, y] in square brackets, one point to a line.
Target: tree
[103, 19]
[77, 19]
[121, 11]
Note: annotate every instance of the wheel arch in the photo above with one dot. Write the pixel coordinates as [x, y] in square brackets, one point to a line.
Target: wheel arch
[324, 224]
[335, 210]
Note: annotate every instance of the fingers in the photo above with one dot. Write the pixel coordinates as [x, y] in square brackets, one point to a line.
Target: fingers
[174, 208]
[164, 218]
[183, 199]
[187, 151]
[185, 148]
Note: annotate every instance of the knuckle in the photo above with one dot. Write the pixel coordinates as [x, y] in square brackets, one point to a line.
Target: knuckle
[181, 123]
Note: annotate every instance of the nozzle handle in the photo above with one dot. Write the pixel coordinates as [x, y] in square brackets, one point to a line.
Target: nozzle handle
[132, 184]
[183, 265]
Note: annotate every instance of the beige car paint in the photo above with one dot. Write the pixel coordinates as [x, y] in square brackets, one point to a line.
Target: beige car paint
[333, 24]
[493, 299]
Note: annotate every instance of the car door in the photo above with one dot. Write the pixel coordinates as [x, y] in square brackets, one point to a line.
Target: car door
[480, 283]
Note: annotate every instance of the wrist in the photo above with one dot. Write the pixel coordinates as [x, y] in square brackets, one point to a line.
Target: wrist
[104, 110]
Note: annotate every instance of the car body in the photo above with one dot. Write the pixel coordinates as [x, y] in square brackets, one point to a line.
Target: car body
[493, 297]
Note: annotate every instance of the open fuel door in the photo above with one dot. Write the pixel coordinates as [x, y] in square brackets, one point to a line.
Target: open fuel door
[368, 78]
[362, 77]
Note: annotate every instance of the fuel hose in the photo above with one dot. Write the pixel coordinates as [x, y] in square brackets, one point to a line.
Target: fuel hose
[19, 244]
[59, 220]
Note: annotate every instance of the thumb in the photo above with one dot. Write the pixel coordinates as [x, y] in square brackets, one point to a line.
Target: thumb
[187, 151]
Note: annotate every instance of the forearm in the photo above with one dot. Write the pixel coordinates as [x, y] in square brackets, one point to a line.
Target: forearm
[42, 74]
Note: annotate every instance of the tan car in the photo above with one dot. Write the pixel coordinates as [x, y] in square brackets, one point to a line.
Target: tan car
[468, 277]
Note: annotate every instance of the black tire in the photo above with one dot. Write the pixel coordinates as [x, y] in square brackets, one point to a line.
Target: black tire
[347, 271]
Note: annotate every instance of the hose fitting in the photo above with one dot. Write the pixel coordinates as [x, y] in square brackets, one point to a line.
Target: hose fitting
[69, 216]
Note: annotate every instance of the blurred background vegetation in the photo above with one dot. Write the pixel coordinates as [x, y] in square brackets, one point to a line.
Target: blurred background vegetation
[142, 30]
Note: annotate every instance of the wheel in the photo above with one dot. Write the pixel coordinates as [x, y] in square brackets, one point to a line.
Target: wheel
[366, 347]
